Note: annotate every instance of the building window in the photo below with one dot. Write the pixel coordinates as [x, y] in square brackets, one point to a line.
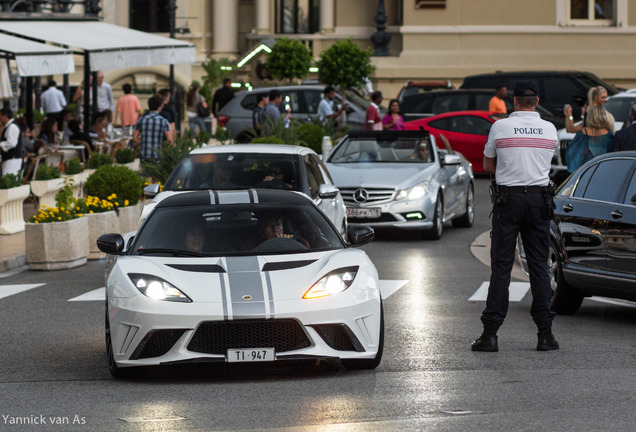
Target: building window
[592, 11]
[428, 4]
[297, 16]
[151, 16]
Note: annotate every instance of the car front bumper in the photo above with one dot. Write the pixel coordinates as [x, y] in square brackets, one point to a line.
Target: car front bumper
[403, 214]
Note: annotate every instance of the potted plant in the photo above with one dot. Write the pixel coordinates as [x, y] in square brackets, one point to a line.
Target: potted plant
[12, 194]
[74, 170]
[128, 158]
[122, 187]
[102, 219]
[97, 160]
[57, 237]
[48, 180]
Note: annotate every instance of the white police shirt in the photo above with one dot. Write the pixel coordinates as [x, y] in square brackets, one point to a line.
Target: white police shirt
[523, 145]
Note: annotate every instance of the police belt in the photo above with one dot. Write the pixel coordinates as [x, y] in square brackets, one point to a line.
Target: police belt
[523, 189]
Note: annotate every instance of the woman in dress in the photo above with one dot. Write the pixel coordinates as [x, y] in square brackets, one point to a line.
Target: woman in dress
[595, 138]
[393, 120]
[596, 96]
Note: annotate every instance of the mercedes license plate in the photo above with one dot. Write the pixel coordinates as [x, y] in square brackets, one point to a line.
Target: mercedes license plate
[250, 355]
[369, 213]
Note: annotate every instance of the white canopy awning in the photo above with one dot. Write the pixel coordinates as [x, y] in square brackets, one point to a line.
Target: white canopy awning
[35, 59]
[109, 46]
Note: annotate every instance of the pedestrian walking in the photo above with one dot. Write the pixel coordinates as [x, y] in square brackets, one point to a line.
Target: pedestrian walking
[258, 113]
[196, 108]
[596, 138]
[519, 151]
[326, 109]
[151, 130]
[373, 121]
[221, 97]
[497, 104]
[105, 100]
[128, 108]
[272, 109]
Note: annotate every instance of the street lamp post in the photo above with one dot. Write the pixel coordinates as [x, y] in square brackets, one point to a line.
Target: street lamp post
[381, 38]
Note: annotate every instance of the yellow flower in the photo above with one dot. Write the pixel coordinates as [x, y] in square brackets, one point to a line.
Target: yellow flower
[59, 218]
[37, 221]
[91, 211]
[126, 203]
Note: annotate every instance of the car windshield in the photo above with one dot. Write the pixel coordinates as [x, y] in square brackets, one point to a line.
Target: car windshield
[235, 171]
[619, 107]
[401, 150]
[238, 229]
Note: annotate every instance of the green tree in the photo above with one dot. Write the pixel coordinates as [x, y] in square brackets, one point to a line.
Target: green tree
[344, 64]
[215, 72]
[289, 59]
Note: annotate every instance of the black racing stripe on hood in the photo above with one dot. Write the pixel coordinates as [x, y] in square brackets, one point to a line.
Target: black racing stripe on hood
[200, 268]
[286, 265]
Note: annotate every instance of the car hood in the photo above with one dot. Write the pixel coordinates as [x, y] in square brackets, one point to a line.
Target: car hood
[156, 200]
[217, 279]
[392, 175]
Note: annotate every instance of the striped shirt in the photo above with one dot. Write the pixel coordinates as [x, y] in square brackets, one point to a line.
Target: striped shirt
[523, 145]
[152, 128]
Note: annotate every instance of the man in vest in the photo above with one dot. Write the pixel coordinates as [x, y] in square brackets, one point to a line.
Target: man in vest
[10, 144]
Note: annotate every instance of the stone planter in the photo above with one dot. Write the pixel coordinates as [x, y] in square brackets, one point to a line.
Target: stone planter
[98, 224]
[45, 190]
[57, 245]
[11, 213]
[133, 166]
[129, 218]
[78, 182]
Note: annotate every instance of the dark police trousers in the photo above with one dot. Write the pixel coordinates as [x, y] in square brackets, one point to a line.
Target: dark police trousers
[524, 213]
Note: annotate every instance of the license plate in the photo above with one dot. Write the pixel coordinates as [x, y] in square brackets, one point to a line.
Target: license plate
[250, 355]
[369, 213]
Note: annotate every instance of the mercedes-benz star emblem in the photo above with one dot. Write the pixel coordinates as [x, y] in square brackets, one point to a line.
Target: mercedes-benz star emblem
[360, 195]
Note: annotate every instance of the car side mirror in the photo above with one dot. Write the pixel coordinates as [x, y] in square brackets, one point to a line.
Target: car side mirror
[111, 243]
[327, 191]
[451, 160]
[152, 190]
[360, 234]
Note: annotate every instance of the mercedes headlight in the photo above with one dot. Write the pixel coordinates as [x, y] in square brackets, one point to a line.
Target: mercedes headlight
[414, 192]
[157, 288]
[332, 283]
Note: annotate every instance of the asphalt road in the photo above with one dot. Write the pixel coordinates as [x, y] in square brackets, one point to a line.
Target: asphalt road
[53, 373]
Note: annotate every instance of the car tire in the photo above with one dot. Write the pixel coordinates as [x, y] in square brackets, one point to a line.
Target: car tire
[466, 220]
[360, 364]
[565, 299]
[435, 233]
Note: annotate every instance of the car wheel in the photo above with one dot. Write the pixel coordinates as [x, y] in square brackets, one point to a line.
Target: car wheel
[435, 233]
[466, 220]
[565, 300]
[358, 364]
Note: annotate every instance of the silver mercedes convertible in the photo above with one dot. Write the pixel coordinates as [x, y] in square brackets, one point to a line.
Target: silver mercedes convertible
[401, 179]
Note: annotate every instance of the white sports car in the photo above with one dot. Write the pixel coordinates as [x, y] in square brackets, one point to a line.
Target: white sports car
[240, 276]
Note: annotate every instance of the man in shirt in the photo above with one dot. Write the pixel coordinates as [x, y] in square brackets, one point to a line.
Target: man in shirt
[519, 151]
[151, 130]
[10, 144]
[272, 109]
[167, 112]
[128, 108]
[53, 102]
[497, 104]
[258, 113]
[325, 107]
[105, 99]
[221, 97]
[372, 120]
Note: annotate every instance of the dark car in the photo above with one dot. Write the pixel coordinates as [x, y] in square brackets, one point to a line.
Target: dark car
[417, 87]
[593, 236]
[432, 103]
[556, 88]
[300, 101]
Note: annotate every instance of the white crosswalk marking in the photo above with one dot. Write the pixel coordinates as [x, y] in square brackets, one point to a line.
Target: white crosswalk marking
[390, 287]
[8, 290]
[517, 291]
[387, 288]
[95, 295]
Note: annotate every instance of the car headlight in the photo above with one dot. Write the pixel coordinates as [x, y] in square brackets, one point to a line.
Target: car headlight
[157, 288]
[414, 192]
[332, 283]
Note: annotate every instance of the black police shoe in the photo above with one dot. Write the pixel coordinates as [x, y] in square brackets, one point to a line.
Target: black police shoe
[485, 343]
[547, 343]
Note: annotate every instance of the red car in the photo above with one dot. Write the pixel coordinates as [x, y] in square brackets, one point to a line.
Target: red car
[467, 132]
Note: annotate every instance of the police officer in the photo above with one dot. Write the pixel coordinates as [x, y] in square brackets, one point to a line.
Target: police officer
[519, 151]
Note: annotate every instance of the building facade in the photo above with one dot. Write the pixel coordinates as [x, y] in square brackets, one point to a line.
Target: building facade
[430, 39]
